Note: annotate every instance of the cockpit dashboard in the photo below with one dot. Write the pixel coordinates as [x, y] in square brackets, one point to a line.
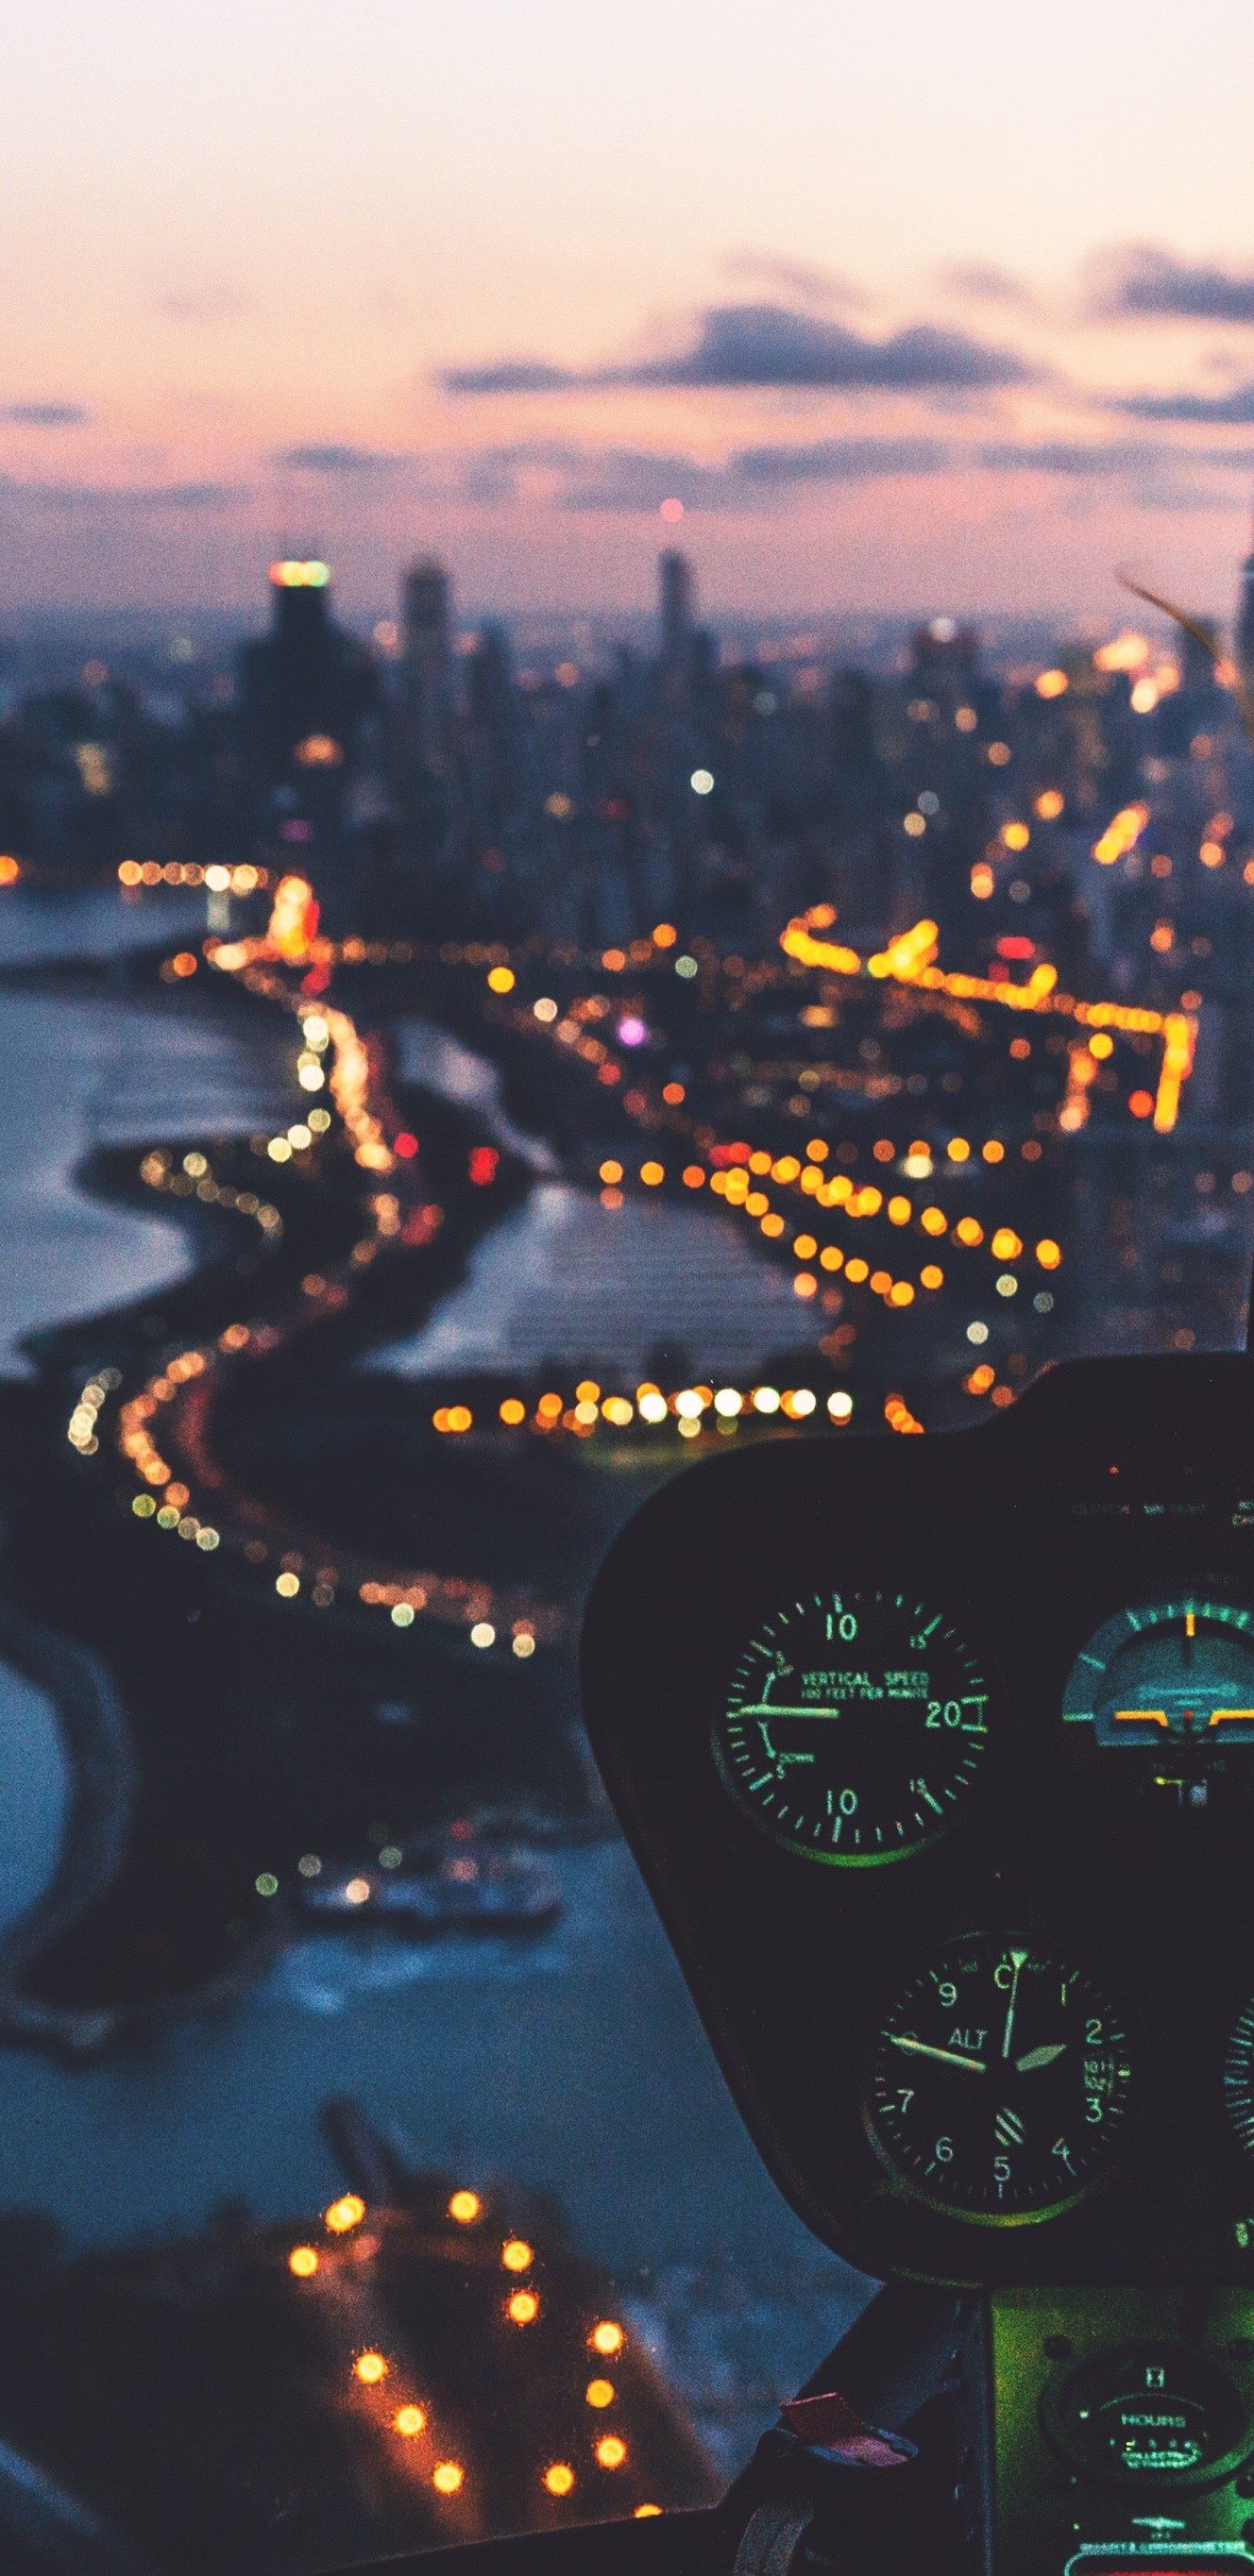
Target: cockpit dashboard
[938, 1758]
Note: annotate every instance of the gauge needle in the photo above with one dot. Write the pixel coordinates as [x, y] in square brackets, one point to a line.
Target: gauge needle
[945, 2056]
[1017, 1960]
[1040, 2057]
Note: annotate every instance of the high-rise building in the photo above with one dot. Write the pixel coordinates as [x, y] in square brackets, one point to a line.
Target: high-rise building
[676, 605]
[293, 679]
[305, 689]
[427, 669]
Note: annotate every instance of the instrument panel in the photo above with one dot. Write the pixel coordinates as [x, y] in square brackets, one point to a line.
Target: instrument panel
[938, 1758]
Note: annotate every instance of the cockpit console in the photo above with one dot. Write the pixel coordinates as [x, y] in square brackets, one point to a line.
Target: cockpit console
[937, 1756]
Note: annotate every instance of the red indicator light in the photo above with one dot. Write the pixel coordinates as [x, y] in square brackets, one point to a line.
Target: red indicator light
[483, 1163]
[406, 1145]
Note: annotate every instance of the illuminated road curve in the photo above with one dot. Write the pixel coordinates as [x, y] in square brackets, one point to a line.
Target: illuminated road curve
[162, 1431]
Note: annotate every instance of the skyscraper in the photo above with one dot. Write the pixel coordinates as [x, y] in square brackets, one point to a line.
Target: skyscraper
[676, 622]
[426, 669]
[305, 689]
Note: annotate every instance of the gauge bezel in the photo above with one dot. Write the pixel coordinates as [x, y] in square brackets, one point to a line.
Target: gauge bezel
[904, 2185]
[820, 1595]
[1084, 2375]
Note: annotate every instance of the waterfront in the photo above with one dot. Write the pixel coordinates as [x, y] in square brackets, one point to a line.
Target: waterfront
[572, 2064]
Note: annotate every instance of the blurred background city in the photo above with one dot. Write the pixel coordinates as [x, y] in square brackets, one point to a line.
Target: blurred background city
[595, 866]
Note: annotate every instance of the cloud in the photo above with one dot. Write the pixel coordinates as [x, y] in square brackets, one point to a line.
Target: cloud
[1071, 456]
[841, 460]
[1139, 282]
[1233, 410]
[761, 345]
[47, 415]
[106, 498]
[336, 457]
[517, 376]
[180, 496]
[981, 281]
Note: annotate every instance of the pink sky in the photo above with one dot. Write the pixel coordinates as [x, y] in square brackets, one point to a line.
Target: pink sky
[913, 306]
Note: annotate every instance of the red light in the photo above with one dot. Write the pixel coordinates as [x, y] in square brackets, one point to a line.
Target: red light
[1014, 945]
[483, 1163]
[421, 1226]
[405, 1145]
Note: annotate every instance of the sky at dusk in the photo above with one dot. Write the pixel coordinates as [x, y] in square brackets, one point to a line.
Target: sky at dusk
[911, 307]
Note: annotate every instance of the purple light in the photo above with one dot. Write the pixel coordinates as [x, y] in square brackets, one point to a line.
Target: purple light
[632, 1032]
[296, 831]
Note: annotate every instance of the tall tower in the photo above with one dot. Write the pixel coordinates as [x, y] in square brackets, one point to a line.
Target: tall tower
[293, 678]
[1243, 637]
[427, 668]
[676, 616]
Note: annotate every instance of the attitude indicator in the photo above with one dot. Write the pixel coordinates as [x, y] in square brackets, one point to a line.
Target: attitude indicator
[1167, 1675]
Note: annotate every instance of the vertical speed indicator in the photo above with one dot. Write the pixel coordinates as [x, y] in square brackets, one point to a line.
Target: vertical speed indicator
[854, 1726]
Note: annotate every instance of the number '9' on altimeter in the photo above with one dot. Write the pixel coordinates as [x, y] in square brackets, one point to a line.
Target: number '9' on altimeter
[854, 1726]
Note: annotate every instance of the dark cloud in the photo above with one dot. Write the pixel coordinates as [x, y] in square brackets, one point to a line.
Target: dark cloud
[1138, 282]
[765, 344]
[337, 457]
[104, 498]
[47, 415]
[181, 496]
[760, 345]
[841, 460]
[1233, 410]
[981, 281]
[1070, 456]
[515, 376]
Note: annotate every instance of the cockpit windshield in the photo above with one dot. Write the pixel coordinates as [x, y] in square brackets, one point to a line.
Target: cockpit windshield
[595, 875]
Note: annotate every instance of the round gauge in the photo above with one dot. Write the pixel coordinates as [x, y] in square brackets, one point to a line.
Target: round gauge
[1149, 2413]
[1239, 2079]
[1166, 1675]
[999, 2083]
[854, 1726]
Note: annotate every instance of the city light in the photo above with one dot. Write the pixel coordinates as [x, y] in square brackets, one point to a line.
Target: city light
[344, 2214]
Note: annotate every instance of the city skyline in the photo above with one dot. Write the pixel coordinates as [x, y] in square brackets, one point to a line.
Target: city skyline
[500, 290]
